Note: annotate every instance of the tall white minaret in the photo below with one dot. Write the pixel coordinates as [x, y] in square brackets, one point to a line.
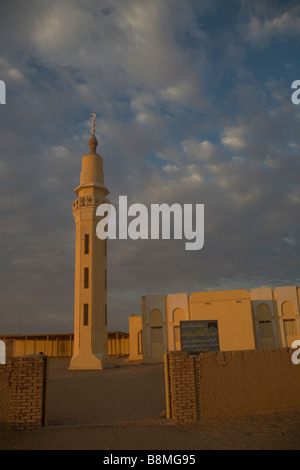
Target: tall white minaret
[90, 303]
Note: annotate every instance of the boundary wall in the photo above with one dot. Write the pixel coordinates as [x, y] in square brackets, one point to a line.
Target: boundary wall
[222, 384]
[23, 397]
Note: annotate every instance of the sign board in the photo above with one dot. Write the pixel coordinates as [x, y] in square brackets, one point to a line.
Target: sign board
[199, 336]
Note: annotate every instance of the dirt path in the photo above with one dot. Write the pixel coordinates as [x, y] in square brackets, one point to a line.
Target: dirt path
[132, 391]
[280, 431]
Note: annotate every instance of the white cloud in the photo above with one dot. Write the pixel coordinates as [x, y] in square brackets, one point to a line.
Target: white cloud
[194, 178]
[60, 27]
[202, 151]
[15, 74]
[263, 30]
[294, 196]
[146, 69]
[242, 199]
[234, 138]
[171, 168]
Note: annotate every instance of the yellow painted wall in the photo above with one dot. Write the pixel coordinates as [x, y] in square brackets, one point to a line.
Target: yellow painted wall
[234, 318]
[118, 344]
[61, 345]
[135, 335]
[51, 345]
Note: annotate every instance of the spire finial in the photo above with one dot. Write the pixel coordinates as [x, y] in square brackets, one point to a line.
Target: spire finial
[93, 117]
[93, 141]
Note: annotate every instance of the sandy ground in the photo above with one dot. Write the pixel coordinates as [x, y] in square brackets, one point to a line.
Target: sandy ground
[120, 408]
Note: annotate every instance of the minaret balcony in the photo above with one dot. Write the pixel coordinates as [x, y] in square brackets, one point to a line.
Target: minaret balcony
[87, 202]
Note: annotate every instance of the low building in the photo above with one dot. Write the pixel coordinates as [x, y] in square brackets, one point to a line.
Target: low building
[256, 319]
[59, 345]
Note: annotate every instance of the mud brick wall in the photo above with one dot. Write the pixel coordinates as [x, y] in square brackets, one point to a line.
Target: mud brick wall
[182, 387]
[232, 383]
[5, 373]
[23, 392]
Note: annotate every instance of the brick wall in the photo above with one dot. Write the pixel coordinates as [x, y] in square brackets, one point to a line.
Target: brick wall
[231, 383]
[23, 392]
[183, 398]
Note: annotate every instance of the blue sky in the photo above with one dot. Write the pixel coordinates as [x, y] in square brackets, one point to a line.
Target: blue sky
[193, 104]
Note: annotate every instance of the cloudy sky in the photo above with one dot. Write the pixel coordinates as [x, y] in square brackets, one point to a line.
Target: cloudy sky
[193, 104]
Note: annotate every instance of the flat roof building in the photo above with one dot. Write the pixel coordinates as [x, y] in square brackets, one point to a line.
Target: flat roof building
[261, 318]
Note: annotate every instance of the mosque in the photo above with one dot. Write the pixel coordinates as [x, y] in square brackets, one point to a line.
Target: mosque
[260, 318]
[256, 319]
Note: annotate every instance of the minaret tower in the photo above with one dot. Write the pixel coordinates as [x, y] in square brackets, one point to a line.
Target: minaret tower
[90, 303]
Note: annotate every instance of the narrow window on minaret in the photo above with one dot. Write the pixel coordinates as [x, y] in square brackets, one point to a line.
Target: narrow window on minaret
[85, 314]
[105, 315]
[106, 279]
[86, 244]
[86, 278]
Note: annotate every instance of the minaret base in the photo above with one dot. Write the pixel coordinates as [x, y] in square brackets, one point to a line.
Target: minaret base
[87, 361]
